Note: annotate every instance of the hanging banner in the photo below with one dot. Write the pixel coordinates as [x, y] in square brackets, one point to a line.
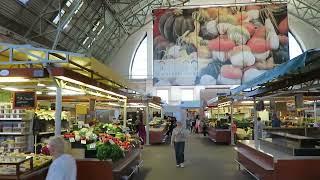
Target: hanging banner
[218, 45]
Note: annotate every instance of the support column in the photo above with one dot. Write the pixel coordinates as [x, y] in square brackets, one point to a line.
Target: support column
[57, 121]
[147, 125]
[231, 114]
[125, 113]
[315, 110]
[255, 130]
[218, 112]
[92, 105]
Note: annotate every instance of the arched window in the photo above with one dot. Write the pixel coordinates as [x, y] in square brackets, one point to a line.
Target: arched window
[294, 46]
[139, 65]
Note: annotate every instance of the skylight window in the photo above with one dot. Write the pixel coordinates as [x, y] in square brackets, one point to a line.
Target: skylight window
[24, 1]
[99, 32]
[79, 7]
[69, 2]
[96, 26]
[84, 42]
[67, 24]
[59, 16]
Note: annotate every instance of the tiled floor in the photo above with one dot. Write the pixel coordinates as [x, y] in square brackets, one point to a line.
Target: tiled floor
[204, 161]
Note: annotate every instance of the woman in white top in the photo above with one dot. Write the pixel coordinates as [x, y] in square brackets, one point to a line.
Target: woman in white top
[178, 139]
[63, 166]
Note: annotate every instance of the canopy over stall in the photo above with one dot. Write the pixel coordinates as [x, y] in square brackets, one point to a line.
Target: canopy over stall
[58, 73]
[294, 75]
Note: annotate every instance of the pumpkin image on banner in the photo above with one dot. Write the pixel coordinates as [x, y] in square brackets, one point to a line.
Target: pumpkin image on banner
[174, 24]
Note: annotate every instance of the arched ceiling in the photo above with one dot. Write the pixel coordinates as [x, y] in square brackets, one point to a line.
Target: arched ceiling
[99, 27]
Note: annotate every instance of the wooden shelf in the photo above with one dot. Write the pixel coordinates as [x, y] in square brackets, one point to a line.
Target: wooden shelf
[50, 132]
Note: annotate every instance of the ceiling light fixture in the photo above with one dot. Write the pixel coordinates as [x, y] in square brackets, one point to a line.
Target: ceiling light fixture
[13, 79]
[154, 106]
[90, 86]
[12, 89]
[41, 85]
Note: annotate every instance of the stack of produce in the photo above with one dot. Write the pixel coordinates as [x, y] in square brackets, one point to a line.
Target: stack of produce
[107, 139]
[156, 121]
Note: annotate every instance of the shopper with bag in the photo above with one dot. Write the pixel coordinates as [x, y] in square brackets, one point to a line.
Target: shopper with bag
[178, 139]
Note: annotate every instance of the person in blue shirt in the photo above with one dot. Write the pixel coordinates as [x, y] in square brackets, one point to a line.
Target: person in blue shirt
[63, 166]
[275, 121]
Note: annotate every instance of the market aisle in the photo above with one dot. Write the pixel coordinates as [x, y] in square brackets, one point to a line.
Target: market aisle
[204, 161]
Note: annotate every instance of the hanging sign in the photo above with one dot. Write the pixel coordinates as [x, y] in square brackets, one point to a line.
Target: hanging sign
[81, 109]
[24, 100]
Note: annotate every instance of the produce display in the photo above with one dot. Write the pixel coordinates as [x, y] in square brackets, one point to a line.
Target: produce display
[109, 140]
[14, 158]
[109, 151]
[156, 121]
[244, 134]
[50, 115]
[218, 45]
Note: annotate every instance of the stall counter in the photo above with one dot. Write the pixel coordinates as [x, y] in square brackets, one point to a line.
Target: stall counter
[157, 135]
[219, 135]
[95, 169]
[267, 163]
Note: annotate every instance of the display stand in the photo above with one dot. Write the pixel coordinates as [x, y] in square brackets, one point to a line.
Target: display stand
[94, 169]
[33, 173]
[219, 135]
[266, 163]
[157, 135]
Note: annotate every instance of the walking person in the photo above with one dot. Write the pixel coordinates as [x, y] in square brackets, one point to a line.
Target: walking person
[141, 130]
[260, 127]
[204, 128]
[275, 122]
[197, 126]
[178, 139]
[193, 125]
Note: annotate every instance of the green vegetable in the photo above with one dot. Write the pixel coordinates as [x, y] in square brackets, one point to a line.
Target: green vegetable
[83, 132]
[109, 151]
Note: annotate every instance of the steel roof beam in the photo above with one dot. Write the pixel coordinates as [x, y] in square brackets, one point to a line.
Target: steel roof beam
[114, 16]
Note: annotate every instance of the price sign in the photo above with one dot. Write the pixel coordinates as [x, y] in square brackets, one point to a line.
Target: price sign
[87, 125]
[72, 140]
[16, 151]
[24, 100]
[92, 146]
[83, 141]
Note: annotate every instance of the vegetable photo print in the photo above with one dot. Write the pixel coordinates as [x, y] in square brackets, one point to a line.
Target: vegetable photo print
[218, 45]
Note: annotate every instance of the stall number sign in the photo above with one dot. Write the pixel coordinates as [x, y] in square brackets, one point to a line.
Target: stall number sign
[24, 100]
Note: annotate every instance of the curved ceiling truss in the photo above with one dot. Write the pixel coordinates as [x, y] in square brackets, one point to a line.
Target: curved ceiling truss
[99, 28]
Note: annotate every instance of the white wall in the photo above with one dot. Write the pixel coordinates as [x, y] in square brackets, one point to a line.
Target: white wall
[304, 33]
[122, 60]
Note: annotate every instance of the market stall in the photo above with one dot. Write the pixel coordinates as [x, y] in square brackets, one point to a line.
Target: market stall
[149, 110]
[60, 93]
[158, 130]
[290, 151]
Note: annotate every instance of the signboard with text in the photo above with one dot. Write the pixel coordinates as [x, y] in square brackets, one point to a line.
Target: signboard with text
[24, 100]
